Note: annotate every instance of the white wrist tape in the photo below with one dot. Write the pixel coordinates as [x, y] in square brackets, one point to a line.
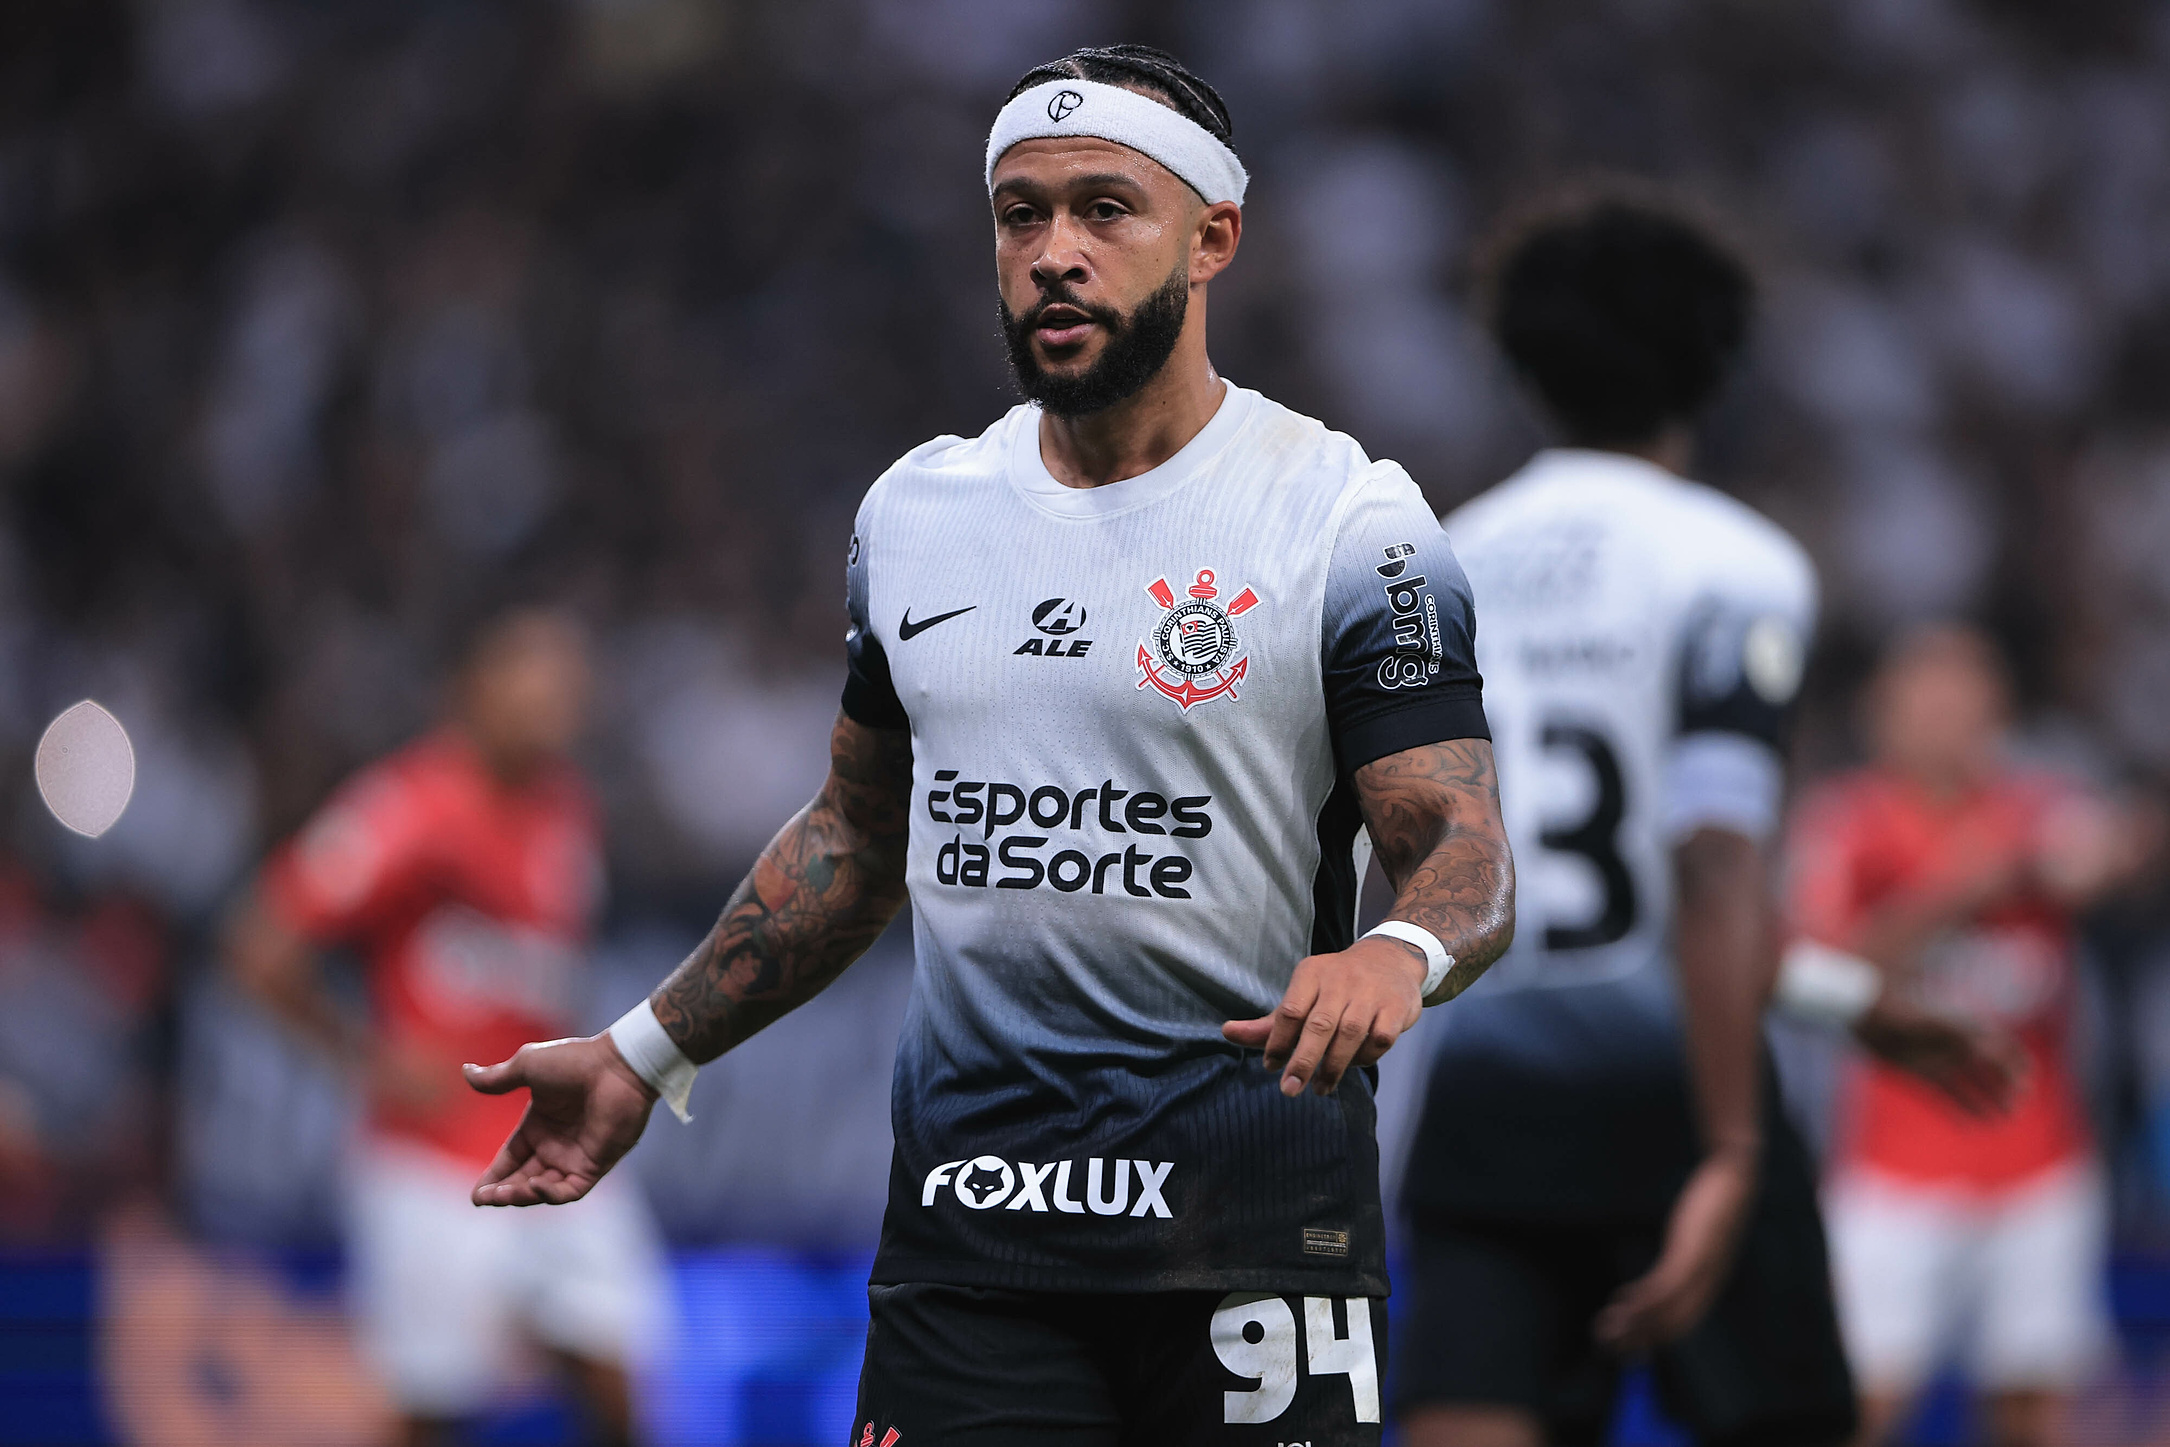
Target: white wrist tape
[655, 1057]
[1111, 113]
[1825, 986]
[1436, 959]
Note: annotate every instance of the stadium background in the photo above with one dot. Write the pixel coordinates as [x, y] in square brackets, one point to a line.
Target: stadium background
[322, 321]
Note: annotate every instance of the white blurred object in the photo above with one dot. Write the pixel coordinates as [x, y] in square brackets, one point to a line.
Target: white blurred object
[86, 768]
[1819, 985]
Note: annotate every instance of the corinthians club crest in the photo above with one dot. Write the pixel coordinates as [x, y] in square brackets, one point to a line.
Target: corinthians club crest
[1195, 643]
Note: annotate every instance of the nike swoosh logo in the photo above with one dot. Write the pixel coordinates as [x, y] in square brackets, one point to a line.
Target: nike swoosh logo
[908, 630]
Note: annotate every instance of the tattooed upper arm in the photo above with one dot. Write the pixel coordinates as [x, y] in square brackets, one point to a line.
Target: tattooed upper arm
[823, 890]
[1433, 815]
[870, 787]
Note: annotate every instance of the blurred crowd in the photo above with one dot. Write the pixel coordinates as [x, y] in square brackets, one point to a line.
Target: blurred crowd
[326, 327]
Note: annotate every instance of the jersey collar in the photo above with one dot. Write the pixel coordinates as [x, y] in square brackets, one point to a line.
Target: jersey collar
[1586, 460]
[1029, 475]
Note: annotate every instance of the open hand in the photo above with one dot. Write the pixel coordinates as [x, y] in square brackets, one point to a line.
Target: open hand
[1340, 1012]
[585, 1109]
[1666, 1301]
[1979, 1068]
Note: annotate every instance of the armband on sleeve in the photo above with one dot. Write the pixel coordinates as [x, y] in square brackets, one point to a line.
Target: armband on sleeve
[1723, 781]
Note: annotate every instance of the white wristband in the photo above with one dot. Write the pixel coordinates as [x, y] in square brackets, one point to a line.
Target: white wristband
[1825, 986]
[655, 1057]
[1436, 959]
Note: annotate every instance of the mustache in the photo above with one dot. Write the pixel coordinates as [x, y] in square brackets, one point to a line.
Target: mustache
[1058, 293]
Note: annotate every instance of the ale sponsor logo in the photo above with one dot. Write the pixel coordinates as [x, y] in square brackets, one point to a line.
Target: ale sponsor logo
[1060, 620]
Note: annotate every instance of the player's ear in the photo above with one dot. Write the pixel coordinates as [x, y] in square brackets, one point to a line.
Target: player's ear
[1219, 230]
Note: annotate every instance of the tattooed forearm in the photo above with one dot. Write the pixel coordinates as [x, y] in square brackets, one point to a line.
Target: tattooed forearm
[823, 890]
[1433, 813]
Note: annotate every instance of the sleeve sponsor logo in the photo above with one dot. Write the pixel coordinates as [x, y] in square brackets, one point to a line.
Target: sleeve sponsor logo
[1111, 1187]
[965, 804]
[1733, 658]
[1193, 639]
[1414, 608]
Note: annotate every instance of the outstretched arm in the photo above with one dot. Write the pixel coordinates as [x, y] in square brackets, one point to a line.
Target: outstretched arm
[1433, 814]
[823, 890]
[278, 966]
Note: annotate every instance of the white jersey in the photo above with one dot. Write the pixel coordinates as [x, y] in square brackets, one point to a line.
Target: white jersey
[1643, 642]
[1134, 713]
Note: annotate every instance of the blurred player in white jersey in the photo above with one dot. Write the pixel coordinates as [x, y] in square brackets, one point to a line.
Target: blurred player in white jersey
[1601, 1169]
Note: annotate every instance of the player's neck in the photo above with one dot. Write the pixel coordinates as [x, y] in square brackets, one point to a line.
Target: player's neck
[1672, 449]
[1143, 430]
[1947, 781]
[511, 769]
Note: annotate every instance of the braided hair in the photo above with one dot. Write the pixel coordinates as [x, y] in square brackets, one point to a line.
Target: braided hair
[1139, 67]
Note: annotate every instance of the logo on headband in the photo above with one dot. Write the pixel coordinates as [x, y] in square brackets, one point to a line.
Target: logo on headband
[1061, 103]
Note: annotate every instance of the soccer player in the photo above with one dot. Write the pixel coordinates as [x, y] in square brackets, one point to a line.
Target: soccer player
[465, 868]
[1600, 1142]
[1958, 871]
[1131, 675]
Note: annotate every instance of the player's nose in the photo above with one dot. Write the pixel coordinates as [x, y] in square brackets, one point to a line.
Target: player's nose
[1061, 261]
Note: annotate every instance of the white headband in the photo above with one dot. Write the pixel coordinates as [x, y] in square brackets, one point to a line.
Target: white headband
[1111, 113]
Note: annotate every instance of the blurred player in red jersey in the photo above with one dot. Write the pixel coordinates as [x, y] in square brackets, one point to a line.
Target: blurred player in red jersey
[466, 869]
[1957, 871]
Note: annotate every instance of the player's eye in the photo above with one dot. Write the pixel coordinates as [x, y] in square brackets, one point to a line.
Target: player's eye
[1019, 215]
[1105, 211]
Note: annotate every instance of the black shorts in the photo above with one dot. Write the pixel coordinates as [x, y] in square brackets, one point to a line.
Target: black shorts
[1500, 1313]
[967, 1366]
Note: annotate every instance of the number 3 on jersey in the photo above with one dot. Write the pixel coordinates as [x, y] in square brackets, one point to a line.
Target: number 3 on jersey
[1255, 1337]
[1596, 838]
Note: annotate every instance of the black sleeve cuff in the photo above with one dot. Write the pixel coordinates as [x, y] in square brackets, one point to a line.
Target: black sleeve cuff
[1742, 711]
[870, 698]
[871, 707]
[1412, 722]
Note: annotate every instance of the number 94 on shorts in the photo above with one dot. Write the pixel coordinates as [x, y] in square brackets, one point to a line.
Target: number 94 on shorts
[975, 1365]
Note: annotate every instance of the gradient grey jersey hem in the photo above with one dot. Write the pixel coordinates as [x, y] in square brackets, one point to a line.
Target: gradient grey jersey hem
[1322, 1280]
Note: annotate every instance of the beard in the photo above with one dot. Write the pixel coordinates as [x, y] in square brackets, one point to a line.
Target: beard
[1138, 346]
